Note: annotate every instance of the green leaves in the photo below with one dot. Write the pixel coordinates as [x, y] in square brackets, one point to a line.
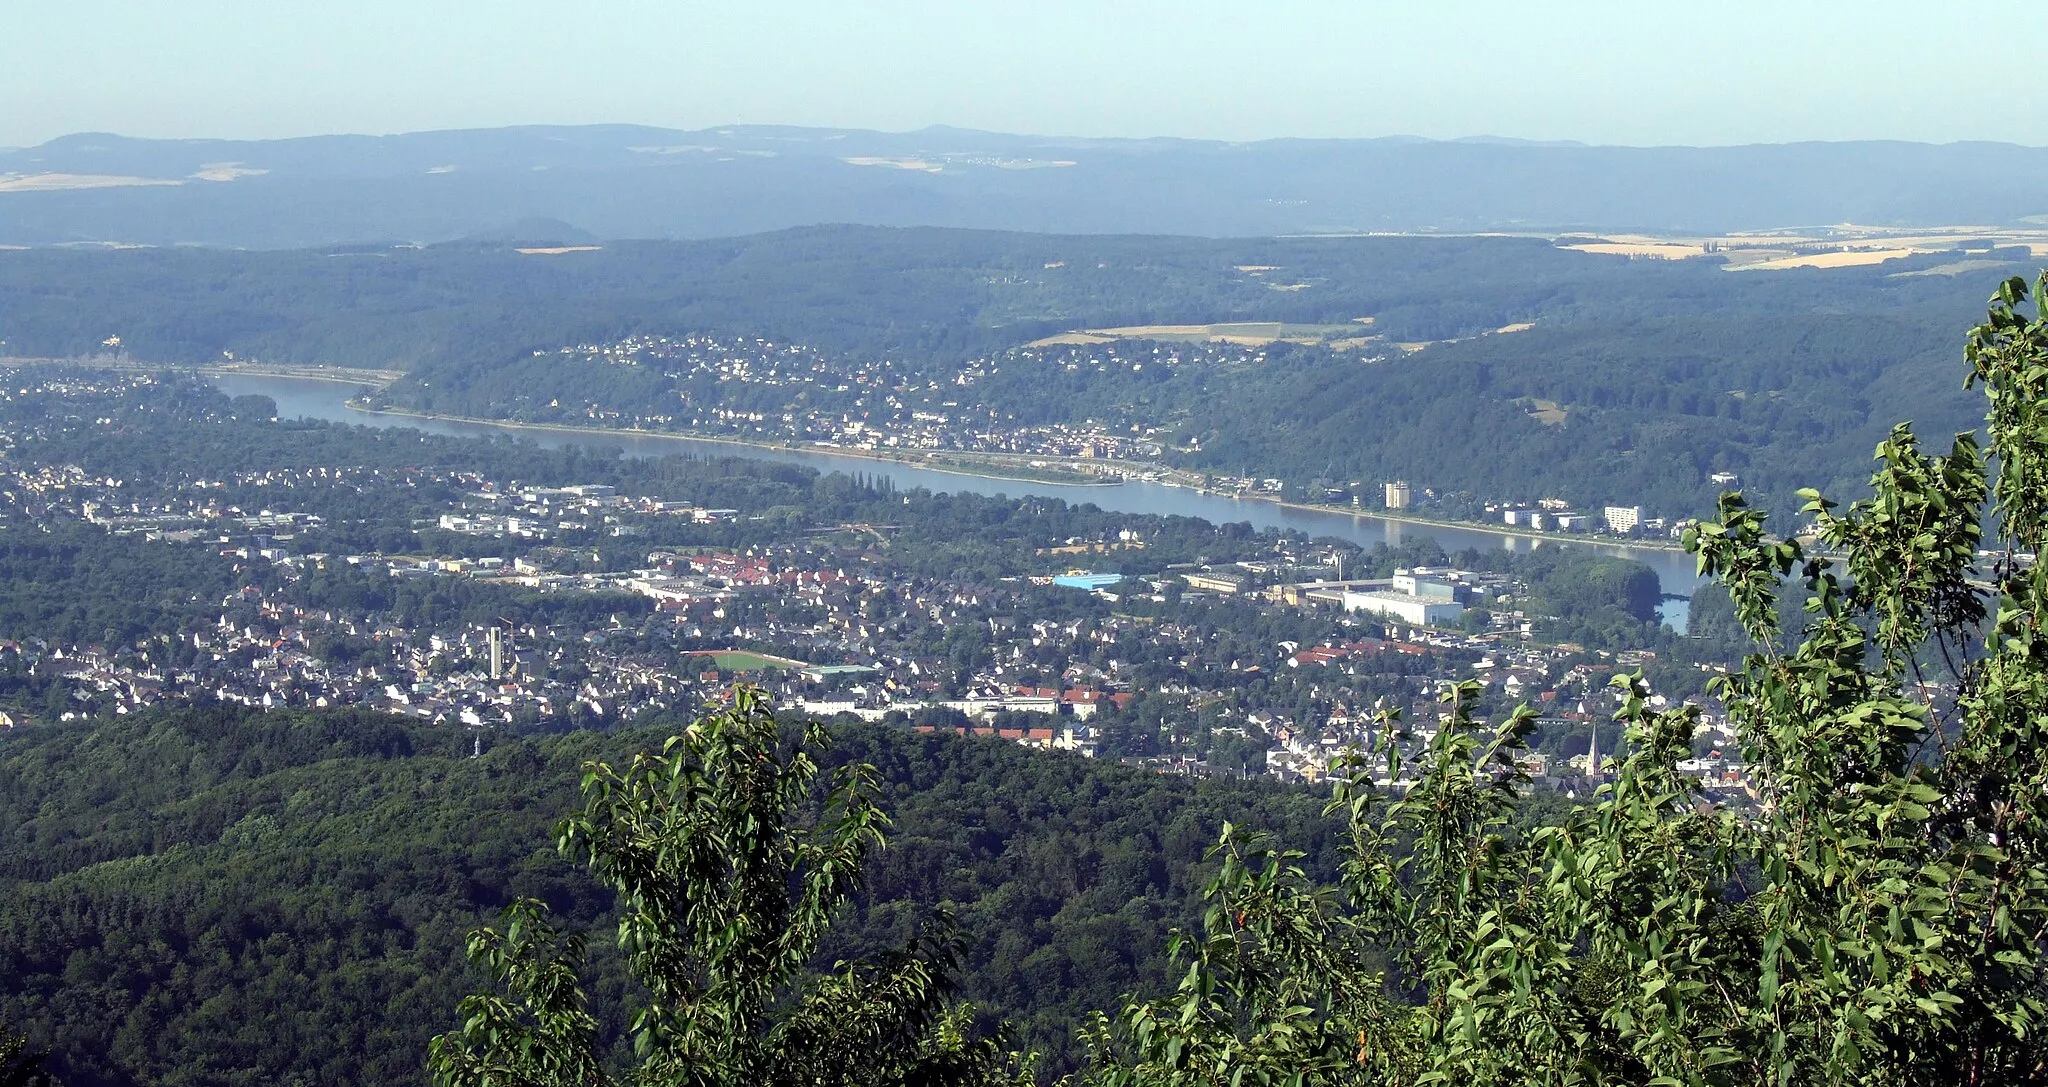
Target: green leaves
[1735, 551]
[1878, 917]
[541, 1034]
[1911, 546]
[1275, 992]
[727, 866]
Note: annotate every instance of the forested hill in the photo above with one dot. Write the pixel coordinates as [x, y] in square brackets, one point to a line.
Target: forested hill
[219, 896]
[1650, 410]
[925, 296]
[630, 181]
[928, 295]
[1634, 381]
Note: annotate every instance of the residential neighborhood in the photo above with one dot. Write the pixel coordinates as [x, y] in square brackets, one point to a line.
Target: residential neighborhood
[370, 584]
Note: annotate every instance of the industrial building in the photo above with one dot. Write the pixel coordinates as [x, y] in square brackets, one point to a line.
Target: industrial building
[1424, 583]
[1215, 583]
[1415, 610]
[1421, 597]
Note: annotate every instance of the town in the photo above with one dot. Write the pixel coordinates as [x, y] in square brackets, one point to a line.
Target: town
[762, 391]
[457, 595]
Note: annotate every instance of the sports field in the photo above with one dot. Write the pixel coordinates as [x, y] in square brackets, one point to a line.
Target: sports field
[739, 660]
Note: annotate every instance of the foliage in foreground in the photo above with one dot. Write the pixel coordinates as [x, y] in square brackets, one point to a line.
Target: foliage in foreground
[1879, 921]
[723, 896]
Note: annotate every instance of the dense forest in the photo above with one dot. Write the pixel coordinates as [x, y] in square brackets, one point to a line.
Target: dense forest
[1644, 409]
[1654, 374]
[211, 894]
[921, 295]
[215, 895]
[925, 295]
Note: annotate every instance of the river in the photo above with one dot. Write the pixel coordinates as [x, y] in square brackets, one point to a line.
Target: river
[313, 399]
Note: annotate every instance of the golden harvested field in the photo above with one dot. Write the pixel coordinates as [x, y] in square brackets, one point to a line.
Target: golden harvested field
[1245, 333]
[896, 163]
[1846, 258]
[227, 171]
[1656, 250]
[1843, 245]
[58, 182]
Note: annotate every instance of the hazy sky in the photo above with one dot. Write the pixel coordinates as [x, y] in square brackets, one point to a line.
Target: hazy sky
[1646, 71]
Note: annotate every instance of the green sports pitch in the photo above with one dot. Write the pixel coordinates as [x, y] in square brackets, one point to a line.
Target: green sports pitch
[742, 661]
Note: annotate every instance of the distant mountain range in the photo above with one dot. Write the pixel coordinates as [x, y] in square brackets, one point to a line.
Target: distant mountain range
[568, 184]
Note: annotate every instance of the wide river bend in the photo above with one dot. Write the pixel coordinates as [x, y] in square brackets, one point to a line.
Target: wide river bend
[313, 399]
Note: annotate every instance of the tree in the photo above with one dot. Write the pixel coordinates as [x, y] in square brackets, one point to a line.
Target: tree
[1878, 917]
[727, 873]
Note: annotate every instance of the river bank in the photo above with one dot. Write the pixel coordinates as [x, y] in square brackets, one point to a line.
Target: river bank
[300, 398]
[338, 375]
[990, 469]
[1531, 534]
[995, 471]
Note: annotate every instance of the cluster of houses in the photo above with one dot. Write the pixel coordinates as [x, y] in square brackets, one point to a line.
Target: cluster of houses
[852, 633]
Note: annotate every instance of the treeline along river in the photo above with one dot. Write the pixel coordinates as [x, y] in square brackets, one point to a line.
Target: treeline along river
[314, 399]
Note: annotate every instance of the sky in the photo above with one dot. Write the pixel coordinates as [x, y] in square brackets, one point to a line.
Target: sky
[1643, 72]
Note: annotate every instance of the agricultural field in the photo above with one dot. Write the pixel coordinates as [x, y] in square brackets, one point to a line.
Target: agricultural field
[1245, 333]
[1838, 258]
[1845, 246]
